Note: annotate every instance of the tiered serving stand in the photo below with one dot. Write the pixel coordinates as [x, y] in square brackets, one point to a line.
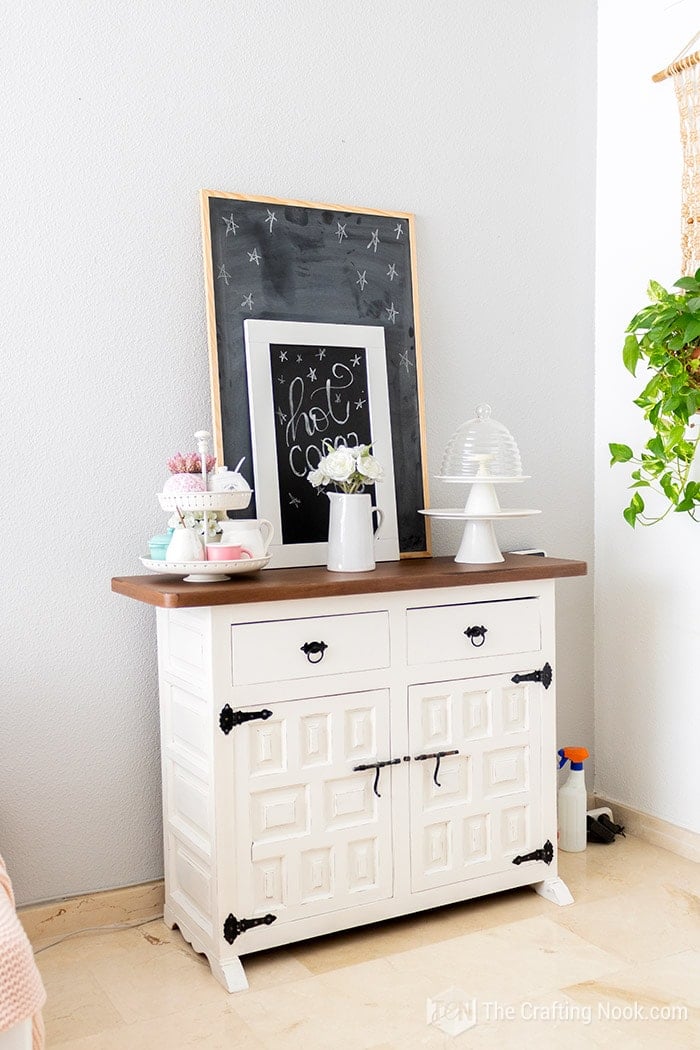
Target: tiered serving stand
[184, 502]
[471, 453]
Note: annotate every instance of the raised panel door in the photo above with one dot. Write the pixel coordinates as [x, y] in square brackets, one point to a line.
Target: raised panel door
[315, 836]
[472, 811]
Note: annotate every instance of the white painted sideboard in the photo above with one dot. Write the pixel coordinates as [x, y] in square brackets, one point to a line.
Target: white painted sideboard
[337, 750]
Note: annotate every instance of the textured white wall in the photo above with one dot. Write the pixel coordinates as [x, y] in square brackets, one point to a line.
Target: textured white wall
[647, 715]
[477, 117]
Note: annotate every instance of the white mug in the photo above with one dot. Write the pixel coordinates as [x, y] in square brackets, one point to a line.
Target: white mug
[254, 533]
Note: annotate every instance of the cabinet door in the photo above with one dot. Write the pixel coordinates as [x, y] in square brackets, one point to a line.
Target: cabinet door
[483, 808]
[313, 835]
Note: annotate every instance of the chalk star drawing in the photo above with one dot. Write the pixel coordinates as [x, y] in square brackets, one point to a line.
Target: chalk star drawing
[360, 402]
[281, 416]
[337, 399]
[248, 301]
[231, 226]
[312, 375]
[271, 218]
[361, 279]
[405, 360]
[321, 353]
[223, 274]
[340, 232]
[392, 312]
[255, 256]
[375, 240]
[280, 379]
[283, 355]
[392, 272]
[298, 359]
[294, 501]
[355, 361]
[398, 230]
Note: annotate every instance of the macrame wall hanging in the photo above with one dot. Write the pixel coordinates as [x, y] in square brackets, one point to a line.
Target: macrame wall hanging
[685, 73]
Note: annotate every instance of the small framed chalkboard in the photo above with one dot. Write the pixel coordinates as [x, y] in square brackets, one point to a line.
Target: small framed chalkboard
[312, 387]
[296, 262]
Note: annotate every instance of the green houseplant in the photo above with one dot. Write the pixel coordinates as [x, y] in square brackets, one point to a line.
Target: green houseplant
[666, 336]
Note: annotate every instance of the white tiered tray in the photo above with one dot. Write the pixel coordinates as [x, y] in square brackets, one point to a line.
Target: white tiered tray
[205, 500]
[206, 571]
[480, 479]
[459, 514]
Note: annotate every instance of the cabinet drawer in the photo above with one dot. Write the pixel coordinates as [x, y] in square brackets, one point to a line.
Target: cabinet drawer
[439, 632]
[280, 650]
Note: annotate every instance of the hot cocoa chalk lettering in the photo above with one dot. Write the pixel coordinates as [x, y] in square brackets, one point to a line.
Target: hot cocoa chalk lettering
[320, 396]
[318, 419]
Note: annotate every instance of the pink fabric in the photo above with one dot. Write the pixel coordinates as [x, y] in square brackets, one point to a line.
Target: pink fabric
[22, 992]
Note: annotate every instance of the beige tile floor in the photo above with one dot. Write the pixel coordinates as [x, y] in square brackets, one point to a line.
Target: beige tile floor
[588, 975]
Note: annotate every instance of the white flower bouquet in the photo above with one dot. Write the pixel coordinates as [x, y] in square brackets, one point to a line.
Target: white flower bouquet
[194, 519]
[349, 469]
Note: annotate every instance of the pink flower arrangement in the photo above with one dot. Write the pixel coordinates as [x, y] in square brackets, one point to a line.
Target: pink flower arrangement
[189, 463]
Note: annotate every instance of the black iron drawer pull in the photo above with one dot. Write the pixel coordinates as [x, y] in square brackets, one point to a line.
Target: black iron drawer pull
[376, 766]
[437, 755]
[316, 649]
[474, 633]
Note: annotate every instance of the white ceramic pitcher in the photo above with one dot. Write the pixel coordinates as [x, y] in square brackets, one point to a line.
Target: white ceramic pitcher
[254, 533]
[350, 532]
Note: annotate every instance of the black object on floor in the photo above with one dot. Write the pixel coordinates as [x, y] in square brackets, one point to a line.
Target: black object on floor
[597, 832]
[617, 829]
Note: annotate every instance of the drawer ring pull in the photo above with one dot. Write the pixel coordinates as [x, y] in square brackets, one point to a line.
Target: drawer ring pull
[474, 633]
[316, 649]
[437, 755]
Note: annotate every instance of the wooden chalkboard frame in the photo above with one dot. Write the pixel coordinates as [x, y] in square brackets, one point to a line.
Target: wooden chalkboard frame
[283, 275]
[312, 420]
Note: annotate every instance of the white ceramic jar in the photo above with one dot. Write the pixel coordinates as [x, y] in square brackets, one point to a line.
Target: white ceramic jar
[225, 480]
[185, 545]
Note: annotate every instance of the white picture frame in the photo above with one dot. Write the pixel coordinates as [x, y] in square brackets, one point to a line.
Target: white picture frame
[262, 339]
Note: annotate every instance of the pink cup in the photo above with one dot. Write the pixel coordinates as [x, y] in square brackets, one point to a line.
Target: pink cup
[226, 552]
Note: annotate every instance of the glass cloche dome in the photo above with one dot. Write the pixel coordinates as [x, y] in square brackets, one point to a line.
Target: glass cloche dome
[481, 448]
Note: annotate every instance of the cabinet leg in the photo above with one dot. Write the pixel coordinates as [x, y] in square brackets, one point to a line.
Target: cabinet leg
[554, 890]
[231, 975]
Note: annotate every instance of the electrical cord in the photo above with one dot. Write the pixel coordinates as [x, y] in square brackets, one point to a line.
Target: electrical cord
[99, 929]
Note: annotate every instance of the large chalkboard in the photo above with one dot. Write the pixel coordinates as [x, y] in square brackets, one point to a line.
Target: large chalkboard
[295, 261]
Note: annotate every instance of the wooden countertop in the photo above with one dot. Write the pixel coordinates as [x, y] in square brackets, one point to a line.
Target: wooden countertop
[271, 585]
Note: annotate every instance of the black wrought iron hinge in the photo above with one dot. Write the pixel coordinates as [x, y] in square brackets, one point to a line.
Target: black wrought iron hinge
[228, 718]
[233, 927]
[546, 854]
[544, 676]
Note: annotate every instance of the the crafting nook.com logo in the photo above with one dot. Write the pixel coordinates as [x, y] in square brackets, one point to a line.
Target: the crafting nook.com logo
[451, 1011]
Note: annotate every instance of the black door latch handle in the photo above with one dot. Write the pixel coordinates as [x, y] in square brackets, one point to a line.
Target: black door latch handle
[376, 766]
[437, 755]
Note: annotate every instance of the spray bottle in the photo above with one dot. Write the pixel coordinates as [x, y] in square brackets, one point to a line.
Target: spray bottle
[573, 801]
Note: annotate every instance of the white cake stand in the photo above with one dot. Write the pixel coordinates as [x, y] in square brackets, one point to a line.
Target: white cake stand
[479, 545]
